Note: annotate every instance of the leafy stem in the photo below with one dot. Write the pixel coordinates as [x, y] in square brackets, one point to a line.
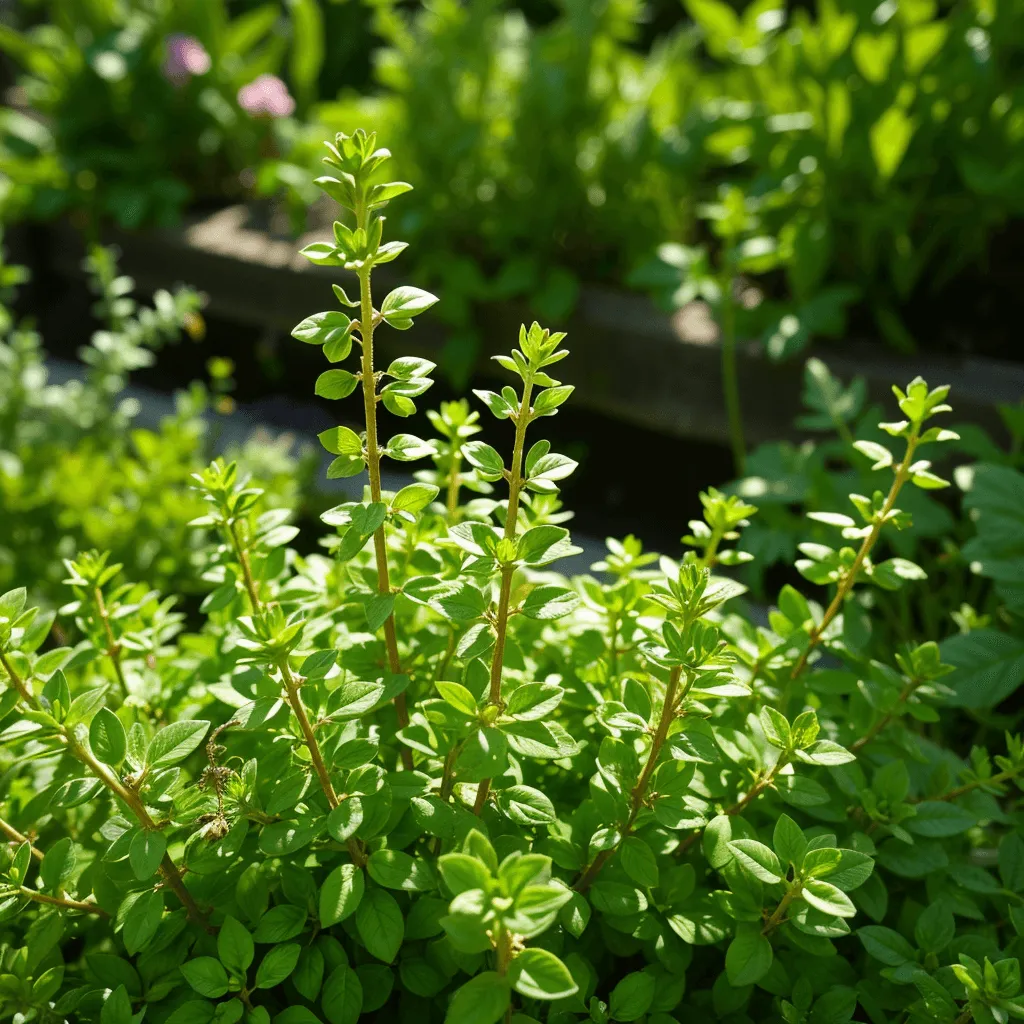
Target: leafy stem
[59, 901]
[875, 729]
[850, 576]
[291, 686]
[16, 681]
[515, 486]
[113, 647]
[779, 914]
[743, 803]
[639, 792]
[16, 837]
[967, 787]
[373, 457]
[168, 869]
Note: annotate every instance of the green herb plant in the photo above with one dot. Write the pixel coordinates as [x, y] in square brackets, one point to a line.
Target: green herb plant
[418, 774]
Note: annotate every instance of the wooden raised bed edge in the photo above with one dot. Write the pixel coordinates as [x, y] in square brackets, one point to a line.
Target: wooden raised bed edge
[630, 361]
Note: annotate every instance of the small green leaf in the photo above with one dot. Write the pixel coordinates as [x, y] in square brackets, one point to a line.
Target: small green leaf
[340, 894]
[632, 996]
[482, 1000]
[235, 946]
[404, 303]
[324, 328]
[107, 737]
[342, 996]
[336, 384]
[146, 852]
[207, 976]
[538, 974]
[749, 956]
[277, 965]
[58, 864]
[380, 924]
[174, 743]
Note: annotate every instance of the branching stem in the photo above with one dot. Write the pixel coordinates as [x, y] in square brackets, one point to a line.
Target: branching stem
[16, 837]
[515, 487]
[58, 901]
[779, 915]
[850, 576]
[639, 793]
[294, 697]
[373, 457]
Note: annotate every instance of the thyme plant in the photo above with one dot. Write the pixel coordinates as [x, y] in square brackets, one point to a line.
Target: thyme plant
[417, 774]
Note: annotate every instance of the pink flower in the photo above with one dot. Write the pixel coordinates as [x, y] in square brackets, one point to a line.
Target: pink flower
[185, 57]
[266, 96]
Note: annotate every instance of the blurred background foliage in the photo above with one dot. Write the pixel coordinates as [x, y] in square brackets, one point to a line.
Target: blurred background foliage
[862, 163]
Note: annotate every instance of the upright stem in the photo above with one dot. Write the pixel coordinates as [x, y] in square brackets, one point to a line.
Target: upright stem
[710, 556]
[613, 651]
[291, 686]
[454, 481]
[730, 382]
[515, 486]
[113, 647]
[380, 545]
[905, 693]
[639, 793]
[16, 837]
[779, 914]
[502, 959]
[742, 804]
[16, 681]
[850, 577]
[247, 577]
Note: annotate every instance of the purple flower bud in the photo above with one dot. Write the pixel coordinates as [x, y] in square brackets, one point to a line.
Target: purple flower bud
[266, 96]
[185, 57]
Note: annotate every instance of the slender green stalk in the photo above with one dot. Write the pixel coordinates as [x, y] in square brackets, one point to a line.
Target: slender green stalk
[454, 481]
[779, 914]
[968, 787]
[850, 577]
[16, 681]
[16, 837]
[502, 959]
[58, 901]
[742, 804]
[373, 457]
[294, 698]
[113, 647]
[875, 729]
[639, 794]
[515, 487]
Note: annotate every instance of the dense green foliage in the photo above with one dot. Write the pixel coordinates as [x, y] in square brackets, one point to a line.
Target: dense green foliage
[423, 774]
[77, 470]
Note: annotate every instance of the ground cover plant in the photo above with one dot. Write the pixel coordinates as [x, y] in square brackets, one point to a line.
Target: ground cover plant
[78, 467]
[421, 775]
